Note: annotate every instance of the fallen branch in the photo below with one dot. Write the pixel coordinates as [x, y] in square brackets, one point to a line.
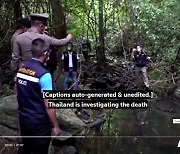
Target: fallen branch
[158, 81]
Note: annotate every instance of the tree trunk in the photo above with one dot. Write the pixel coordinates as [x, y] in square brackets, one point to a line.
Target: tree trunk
[100, 50]
[17, 9]
[176, 64]
[1, 89]
[60, 25]
[59, 18]
[177, 60]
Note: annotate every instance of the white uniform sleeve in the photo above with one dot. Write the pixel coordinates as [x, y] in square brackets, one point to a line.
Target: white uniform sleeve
[54, 41]
[16, 59]
[77, 56]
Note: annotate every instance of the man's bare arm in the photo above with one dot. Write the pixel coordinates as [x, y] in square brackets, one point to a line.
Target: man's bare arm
[53, 118]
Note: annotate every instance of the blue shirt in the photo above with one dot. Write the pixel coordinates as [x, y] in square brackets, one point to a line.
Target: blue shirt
[46, 82]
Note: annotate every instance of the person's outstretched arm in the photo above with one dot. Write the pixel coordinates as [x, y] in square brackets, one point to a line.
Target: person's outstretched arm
[57, 42]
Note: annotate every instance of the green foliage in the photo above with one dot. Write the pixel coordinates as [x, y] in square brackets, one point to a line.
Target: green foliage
[154, 24]
[151, 23]
[7, 90]
[158, 25]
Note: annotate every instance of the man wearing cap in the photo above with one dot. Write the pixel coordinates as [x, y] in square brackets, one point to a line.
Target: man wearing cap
[22, 46]
[35, 118]
[23, 25]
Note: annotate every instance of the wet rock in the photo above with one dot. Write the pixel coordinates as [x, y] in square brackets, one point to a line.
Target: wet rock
[177, 93]
[67, 119]
[100, 83]
[160, 123]
[88, 74]
[97, 123]
[69, 150]
[1, 88]
[8, 117]
[118, 86]
[86, 87]
[110, 81]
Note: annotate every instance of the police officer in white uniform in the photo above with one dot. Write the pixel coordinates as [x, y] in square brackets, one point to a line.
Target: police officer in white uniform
[22, 45]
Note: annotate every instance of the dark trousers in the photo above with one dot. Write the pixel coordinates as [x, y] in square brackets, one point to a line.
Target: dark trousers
[73, 75]
[35, 145]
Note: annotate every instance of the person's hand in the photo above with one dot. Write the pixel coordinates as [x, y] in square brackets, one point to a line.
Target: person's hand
[62, 71]
[69, 37]
[148, 58]
[15, 78]
[56, 131]
[78, 71]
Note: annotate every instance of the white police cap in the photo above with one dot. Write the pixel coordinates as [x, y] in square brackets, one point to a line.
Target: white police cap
[39, 15]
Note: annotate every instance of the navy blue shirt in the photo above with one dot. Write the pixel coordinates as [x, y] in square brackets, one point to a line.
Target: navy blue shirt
[140, 58]
[32, 79]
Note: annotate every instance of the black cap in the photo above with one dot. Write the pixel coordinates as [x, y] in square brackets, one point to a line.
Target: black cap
[23, 22]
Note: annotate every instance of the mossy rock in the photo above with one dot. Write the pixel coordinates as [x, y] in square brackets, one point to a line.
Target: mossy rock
[177, 93]
[68, 121]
